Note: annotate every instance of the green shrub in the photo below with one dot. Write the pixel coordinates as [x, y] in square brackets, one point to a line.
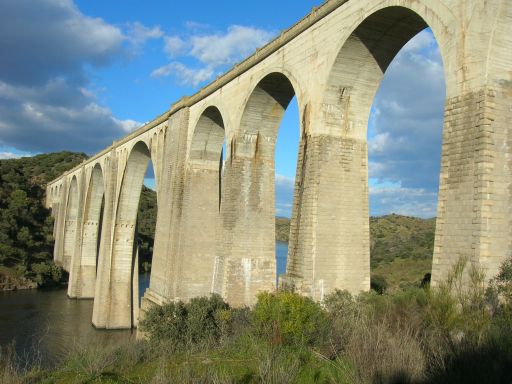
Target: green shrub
[203, 320]
[167, 323]
[47, 273]
[288, 318]
[378, 284]
[198, 322]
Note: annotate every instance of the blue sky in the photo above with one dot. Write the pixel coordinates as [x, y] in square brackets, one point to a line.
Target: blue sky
[78, 75]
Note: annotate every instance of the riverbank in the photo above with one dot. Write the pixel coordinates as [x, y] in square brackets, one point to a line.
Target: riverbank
[9, 281]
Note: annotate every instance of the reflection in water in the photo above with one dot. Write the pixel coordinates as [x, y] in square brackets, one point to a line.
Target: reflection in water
[48, 322]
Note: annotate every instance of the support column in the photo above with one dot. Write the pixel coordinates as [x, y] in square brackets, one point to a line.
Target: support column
[329, 235]
[60, 221]
[200, 229]
[75, 282]
[165, 269]
[87, 269]
[248, 264]
[102, 292]
[475, 193]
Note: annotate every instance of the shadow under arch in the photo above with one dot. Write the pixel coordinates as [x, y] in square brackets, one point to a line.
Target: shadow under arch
[83, 274]
[124, 302]
[360, 64]
[248, 209]
[70, 224]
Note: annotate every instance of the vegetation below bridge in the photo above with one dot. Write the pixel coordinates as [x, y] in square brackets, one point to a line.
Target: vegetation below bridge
[414, 335]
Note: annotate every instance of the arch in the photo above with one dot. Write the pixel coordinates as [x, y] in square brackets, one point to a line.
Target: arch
[124, 296]
[83, 275]
[338, 248]
[266, 104]
[70, 223]
[360, 65]
[208, 136]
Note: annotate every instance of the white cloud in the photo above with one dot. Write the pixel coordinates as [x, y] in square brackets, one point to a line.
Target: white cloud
[224, 49]
[194, 25]
[9, 155]
[407, 117]
[47, 101]
[417, 202]
[212, 52]
[43, 39]
[379, 143]
[423, 40]
[138, 33]
[128, 125]
[284, 181]
[284, 187]
[184, 74]
[174, 46]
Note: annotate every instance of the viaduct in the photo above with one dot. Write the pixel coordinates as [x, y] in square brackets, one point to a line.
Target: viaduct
[215, 226]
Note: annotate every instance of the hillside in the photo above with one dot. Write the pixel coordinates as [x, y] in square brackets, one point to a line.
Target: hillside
[146, 222]
[401, 247]
[282, 229]
[26, 243]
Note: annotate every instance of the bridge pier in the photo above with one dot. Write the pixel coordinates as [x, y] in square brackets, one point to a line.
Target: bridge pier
[329, 234]
[102, 291]
[247, 214]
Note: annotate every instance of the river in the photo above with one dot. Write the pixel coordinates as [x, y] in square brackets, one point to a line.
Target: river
[45, 324]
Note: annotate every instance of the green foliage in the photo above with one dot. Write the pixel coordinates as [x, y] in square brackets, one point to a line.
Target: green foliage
[47, 273]
[378, 284]
[499, 298]
[391, 237]
[413, 335]
[26, 226]
[289, 318]
[401, 248]
[282, 229]
[199, 322]
[146, 223]
[395, 236]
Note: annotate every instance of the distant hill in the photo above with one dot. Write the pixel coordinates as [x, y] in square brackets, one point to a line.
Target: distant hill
[26, 244]
[26, 226]
[395, 236]
[282, 229]
[146, 223]
[401, 247]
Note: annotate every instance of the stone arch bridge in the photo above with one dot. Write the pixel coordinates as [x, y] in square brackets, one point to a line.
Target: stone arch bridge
[215, 225]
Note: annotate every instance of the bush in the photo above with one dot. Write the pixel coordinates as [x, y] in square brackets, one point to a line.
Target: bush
[181, 325]
[47, 273]
[378, 284]
[203, 321]
[288, 318]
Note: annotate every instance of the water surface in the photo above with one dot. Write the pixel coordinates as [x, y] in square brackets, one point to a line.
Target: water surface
[48, 322]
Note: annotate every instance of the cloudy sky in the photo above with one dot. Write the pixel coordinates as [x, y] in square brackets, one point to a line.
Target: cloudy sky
[76, 75]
